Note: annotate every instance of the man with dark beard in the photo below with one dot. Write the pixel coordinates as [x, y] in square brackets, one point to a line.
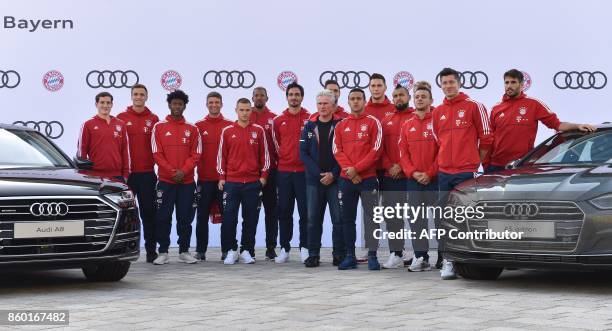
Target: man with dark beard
[263, 117]
[515, 122]
[393, 186]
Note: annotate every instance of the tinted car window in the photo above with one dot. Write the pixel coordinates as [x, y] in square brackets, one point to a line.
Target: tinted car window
[22, 148]
[574, 148]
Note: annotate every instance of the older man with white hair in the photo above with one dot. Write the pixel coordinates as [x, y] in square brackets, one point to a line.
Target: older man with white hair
[322, 172]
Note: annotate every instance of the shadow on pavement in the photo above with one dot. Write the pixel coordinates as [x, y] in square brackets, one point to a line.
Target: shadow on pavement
[546, 281]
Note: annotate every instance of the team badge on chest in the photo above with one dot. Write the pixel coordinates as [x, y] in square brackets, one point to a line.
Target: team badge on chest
[364, 127]
[187, 133]
[461, 113]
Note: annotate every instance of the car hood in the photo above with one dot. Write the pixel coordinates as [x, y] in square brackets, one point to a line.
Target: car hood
[51, 182]
[542, 183]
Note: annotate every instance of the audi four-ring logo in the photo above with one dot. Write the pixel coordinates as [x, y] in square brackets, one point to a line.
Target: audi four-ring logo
[521, 209]
[346, 79]
[470, 79]
[112, 78]
[52, 129]
[48, 209]
[9, 79]
[580, 80]
[229, 79]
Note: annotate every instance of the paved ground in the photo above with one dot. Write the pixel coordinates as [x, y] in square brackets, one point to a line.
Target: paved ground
[266, 296]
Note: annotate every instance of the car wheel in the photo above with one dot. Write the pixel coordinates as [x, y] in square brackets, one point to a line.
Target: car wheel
[470, 271]
[106, 271]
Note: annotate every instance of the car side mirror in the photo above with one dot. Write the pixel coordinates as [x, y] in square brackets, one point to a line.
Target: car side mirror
[512, 164]
[83, 164]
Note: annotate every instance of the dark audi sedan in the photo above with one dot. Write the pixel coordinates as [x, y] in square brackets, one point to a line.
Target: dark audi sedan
[558, 196]
[53, 216]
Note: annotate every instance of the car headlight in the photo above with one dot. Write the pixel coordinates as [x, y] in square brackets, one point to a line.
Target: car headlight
[602, 202]
[122, 199]
[458, 198]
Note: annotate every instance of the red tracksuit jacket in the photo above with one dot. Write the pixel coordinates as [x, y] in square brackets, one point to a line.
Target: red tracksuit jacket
[461, 127]
[515, 124]
[341, 113]
[243, 154]
[391, 126]
[418, 150]
[265, 119]
[210, 133]
[380, 110]
[286, 132]
[176, 146]
[357, 143]
[139, 128]
[106, 145]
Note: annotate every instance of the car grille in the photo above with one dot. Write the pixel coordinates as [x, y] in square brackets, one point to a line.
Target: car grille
[566, 216]
[99, 218]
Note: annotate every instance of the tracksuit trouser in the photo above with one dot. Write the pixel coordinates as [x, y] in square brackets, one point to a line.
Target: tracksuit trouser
[247, 196]
[291, 188]
[143, 186]
[426, 196]
[393, 192]
[348, 196]
[170, 196]
[446, 183]
[208, 193]
[270, 207]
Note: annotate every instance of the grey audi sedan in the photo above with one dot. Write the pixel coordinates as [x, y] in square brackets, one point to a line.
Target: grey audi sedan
[55, 216]
[558, 197]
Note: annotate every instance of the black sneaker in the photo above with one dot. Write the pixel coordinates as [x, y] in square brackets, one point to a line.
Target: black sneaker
[337, 260]
[408, 262]
[223, 256]
[270, 253]
[312, 261]
[439, 261]
[151, 257]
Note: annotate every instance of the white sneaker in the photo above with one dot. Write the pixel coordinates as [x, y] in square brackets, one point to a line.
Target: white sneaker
[419, 265]
[303, 254]
[187, 258]
[282, 257]
[246, 257]
[393, 262]
[231, 257]
[162, 258]
[448, 270]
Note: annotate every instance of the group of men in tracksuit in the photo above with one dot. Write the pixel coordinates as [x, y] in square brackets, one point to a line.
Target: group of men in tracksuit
[330, 159]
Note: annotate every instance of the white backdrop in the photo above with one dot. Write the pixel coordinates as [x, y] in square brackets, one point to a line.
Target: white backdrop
[307, 38]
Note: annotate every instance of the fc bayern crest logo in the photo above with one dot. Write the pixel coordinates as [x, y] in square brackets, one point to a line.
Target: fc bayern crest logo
[526, 81]
[53, 80]
[171, 80]
[285, 78]
[405, 79]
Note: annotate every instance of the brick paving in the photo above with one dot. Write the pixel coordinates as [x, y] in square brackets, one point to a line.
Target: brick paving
[266, 296]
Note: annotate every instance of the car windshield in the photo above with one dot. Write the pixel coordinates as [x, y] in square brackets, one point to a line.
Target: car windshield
[574, 148]
[28, 149]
